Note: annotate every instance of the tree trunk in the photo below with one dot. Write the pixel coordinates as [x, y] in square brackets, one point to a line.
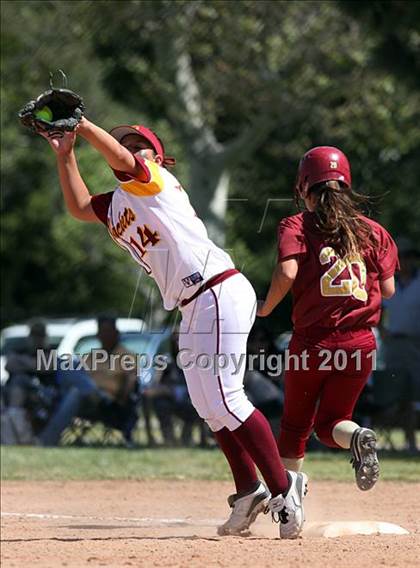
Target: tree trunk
[208, 190]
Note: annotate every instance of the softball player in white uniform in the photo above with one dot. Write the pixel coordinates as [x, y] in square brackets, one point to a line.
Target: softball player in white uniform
[150, 216]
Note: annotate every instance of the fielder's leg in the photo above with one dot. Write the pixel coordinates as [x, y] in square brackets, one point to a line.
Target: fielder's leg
[220, 327]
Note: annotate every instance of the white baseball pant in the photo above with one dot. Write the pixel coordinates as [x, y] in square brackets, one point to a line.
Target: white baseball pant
[212, 341]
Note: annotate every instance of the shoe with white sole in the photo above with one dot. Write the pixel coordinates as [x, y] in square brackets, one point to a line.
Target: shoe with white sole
[245, 509]
[364, 459]
[288, 510]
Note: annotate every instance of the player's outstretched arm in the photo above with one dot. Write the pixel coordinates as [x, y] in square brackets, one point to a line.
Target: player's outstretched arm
[76, 194]
[118, 157]
[282, 280]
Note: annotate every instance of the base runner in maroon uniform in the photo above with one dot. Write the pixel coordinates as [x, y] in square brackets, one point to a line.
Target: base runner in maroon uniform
[338, 264]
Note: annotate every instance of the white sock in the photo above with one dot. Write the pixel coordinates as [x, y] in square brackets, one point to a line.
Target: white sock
[293, 464]
[343, 431]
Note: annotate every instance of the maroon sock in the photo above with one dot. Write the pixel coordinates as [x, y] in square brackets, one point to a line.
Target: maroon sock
[258, 440]
[241, 464]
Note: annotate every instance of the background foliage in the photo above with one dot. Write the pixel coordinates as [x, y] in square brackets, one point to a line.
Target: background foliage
[238, 90]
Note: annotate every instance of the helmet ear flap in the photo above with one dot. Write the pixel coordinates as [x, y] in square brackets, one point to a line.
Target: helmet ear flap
[304, 187]
[301, 187]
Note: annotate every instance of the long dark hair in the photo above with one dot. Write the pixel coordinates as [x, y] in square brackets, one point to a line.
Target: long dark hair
[338, 214]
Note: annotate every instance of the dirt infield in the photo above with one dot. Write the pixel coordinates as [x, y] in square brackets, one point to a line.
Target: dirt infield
[173, 524]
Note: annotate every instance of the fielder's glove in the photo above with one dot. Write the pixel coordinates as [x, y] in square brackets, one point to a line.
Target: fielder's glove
[54, 112]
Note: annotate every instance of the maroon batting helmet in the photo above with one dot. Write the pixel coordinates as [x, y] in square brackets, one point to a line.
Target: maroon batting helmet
[323, 163]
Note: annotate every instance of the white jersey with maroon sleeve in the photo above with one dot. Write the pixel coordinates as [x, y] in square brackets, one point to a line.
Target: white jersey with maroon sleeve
[155, 222]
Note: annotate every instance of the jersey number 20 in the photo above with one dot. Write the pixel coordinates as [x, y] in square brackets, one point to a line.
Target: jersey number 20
[353, 286]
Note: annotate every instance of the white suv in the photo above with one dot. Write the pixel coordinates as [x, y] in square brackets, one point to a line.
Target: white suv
[82, 336]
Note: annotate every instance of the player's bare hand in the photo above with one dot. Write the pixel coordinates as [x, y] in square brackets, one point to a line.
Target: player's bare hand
[62, 143]
[262, 311]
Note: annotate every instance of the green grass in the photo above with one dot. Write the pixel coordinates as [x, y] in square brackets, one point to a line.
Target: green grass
[32, 463]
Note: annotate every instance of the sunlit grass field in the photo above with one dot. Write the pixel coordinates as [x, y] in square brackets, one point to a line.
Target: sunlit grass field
[71, 463]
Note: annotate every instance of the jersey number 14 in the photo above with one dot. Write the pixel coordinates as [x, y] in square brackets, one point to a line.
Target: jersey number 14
[147, 237]
[332, 285]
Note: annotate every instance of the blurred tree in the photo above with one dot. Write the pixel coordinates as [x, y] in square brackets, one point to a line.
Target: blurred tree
[176, 67]
[343, 98]
[238, 91]
[395, 26]
[303, 72]
[52, 264]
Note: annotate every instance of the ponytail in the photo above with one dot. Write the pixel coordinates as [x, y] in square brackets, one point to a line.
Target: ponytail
[339, 218]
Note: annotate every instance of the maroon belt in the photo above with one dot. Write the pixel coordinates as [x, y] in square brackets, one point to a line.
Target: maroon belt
[213, 281]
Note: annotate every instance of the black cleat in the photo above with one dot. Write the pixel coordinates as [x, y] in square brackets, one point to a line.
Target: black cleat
[364, 459]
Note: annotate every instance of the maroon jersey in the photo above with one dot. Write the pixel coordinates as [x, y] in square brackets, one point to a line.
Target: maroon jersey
[329, 291]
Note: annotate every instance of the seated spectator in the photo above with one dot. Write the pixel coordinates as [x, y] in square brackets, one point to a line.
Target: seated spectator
[168, 397]
[401, 334]
[48, 399]
[29, 395]
[270, 361]
[22, 365]
[264, 394]
[262, 381]
[116, 376]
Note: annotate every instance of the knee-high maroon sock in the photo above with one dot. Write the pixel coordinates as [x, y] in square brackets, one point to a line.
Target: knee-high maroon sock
[241, 464]
[258, 440]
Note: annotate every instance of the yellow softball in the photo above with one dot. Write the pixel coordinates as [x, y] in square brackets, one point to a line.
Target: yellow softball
[44, 113]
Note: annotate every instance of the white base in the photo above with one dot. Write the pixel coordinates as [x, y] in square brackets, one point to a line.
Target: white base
[345, 528]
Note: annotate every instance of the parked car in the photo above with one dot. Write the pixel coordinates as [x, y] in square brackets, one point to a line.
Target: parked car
[81, 337]
[13, 338]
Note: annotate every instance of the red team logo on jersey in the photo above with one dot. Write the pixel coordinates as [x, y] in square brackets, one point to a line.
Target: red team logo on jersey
[124, 221]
